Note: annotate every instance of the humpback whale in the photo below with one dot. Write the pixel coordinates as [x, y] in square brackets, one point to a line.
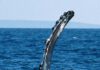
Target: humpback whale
[56, 31]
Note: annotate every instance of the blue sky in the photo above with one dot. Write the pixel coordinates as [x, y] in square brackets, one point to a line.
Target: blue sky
[86, 11]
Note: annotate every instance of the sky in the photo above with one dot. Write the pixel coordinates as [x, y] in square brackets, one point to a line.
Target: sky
[86, 11]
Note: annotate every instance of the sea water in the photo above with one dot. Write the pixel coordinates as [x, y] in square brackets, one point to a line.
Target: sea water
[76, 49]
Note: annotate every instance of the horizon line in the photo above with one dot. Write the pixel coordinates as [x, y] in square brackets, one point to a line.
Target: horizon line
[37, 24]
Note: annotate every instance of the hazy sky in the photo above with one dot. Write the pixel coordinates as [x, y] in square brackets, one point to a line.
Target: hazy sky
[86, 11]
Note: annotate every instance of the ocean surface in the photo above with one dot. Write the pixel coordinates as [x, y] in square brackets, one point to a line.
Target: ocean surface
[76, 49]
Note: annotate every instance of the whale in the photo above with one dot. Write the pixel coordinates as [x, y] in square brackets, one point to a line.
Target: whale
[50, 42]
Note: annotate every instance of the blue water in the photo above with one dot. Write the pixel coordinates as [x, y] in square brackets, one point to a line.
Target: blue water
[76, 49]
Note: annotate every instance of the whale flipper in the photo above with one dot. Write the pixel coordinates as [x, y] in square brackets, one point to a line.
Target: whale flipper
[57, 29]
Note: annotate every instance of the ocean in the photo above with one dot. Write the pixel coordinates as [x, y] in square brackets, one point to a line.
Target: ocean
[76, 49]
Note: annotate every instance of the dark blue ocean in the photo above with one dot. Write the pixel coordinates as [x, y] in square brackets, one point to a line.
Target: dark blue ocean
[76, 49]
